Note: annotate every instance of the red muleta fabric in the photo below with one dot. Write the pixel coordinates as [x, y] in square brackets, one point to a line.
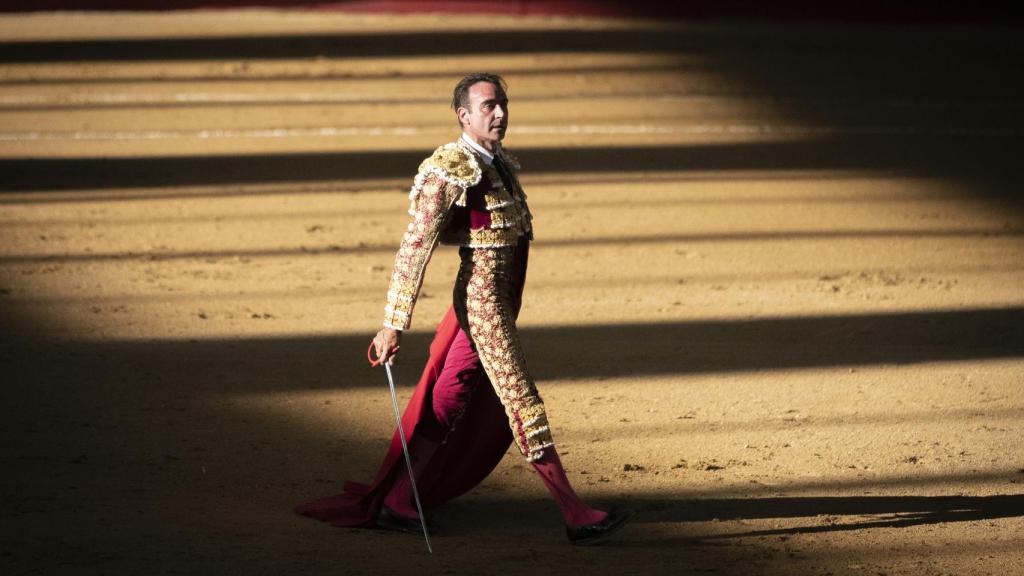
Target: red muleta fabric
[472, 449]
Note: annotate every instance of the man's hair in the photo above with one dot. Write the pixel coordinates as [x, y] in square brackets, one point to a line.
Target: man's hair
[460, 96]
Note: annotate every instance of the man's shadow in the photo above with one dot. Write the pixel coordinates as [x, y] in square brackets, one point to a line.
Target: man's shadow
[843, 513]
[831, 514]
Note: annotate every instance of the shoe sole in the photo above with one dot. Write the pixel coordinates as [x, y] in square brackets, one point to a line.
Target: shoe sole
[412, 527]
[606, 535]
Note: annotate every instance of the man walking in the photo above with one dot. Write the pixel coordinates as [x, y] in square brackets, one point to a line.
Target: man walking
[466, 194]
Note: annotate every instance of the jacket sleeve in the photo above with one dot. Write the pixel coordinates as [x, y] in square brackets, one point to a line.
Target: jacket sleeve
[430, 211]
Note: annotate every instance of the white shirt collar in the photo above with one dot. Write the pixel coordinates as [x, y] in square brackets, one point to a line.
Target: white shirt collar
[484, 153]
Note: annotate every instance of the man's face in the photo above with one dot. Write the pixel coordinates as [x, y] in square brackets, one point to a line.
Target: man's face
[486, 118]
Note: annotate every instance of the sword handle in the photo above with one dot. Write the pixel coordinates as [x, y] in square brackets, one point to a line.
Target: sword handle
[376, 361]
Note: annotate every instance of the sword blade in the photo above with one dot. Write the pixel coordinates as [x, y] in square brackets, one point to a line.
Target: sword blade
[408, 460]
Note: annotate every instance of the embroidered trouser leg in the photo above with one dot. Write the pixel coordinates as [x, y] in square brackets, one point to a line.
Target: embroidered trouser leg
[484, 303]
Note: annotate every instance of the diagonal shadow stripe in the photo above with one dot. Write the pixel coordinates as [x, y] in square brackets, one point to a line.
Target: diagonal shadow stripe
[620, 241]
[949, 156]
[375, 44]
[401, 183]
[693, 40]
[354, 45]
[522, 71]
[598, 351]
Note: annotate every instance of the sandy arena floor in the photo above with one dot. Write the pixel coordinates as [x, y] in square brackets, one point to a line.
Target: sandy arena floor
[775, 302]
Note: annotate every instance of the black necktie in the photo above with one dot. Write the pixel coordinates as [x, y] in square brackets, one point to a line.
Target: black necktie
[504, 173]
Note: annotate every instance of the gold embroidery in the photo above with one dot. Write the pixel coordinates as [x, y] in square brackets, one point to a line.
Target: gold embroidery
[498, 198]
[454, 163]
[442, 180]
[483, 302]
[431, 212]
[457, 162]
[483, 238]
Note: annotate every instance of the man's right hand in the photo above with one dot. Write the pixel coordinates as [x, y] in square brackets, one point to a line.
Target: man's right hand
[387, 343]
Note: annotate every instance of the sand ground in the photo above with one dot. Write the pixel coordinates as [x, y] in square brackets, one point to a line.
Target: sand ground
[774, 304]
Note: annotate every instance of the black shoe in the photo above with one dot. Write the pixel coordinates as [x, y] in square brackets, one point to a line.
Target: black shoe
[388, 519]
[590, 534]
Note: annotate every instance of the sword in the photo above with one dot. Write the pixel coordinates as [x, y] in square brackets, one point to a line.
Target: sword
[405, 444]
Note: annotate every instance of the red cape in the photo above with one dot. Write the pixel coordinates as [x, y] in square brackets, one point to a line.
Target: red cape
[473, 447]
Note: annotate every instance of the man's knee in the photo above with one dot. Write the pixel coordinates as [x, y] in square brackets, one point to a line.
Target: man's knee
[451, 398]
[454, 386]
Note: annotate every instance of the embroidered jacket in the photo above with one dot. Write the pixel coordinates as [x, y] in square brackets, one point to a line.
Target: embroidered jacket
[456, 199]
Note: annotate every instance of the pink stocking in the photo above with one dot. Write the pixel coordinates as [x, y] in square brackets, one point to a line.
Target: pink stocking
[575, 512]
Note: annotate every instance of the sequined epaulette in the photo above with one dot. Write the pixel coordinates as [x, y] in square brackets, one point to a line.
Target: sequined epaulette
[454, 164]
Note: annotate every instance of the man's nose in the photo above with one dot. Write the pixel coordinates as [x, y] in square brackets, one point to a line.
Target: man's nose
[499, 111]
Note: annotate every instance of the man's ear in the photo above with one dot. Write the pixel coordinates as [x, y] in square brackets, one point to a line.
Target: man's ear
[461, 113]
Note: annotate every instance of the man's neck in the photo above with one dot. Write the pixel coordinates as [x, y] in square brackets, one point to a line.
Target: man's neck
[488, 149]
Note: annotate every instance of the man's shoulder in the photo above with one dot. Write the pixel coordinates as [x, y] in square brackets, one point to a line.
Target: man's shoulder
[455, 163]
